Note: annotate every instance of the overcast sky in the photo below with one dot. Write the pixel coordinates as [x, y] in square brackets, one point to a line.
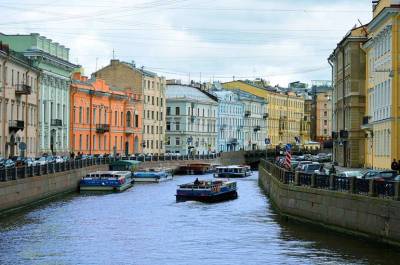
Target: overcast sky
[281, 41]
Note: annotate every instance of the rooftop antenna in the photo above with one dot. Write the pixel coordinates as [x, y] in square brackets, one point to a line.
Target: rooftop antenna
[113, 54]
[363, 26]
[97, 60]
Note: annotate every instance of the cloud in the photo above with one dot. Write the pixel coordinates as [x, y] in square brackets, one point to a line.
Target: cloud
[281, 41]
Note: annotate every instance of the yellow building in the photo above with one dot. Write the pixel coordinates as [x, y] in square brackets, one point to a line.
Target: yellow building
[381, 121]
[285, 111]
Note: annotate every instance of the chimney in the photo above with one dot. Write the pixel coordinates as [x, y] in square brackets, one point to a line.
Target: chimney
[374, 4]
[114, 61]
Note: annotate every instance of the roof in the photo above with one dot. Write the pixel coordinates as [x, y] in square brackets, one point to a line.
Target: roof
[189, 92]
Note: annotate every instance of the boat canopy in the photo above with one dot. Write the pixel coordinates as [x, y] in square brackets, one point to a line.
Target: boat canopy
[129, 165]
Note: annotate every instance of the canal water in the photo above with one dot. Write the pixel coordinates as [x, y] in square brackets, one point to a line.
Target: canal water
[145, 226]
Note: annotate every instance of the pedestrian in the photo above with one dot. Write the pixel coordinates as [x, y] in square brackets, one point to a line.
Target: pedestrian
[395, 165]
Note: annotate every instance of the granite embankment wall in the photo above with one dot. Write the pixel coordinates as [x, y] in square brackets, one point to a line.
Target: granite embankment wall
[20, 193]
[371, 217]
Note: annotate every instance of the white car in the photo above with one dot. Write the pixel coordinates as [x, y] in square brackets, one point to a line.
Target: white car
[59, 159]
[40, 162]
[350, 174]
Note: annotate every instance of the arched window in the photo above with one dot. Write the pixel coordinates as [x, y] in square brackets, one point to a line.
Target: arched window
[128, 119]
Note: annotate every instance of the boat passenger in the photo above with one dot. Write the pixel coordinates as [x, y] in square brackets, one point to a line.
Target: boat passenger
[197, 182]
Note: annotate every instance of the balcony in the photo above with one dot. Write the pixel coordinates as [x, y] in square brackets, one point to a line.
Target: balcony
[15, 126]
[247, 113]
[129, 130]
[223, 126]
[102, 128]
[366, 123]
[257, 128]
[344, 134]
[56, 122]
[265, 116]
[22, 89]
[233, 141]
[334, 135]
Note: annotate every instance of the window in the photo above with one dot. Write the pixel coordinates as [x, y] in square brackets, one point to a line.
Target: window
[177, 111]
[87, 115]
[116, 118]
[168, 110]
[94, 116]
[87, 142]
[80, 115]
[325, 113]
[177, 141]
[80, 142]
[325, 122]
[94, 142]
[136, 120]
[177, 126]
[168, 126]
[122, 119]
[161, 101]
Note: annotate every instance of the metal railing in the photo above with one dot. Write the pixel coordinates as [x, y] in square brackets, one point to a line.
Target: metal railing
[366, 187]
[13, 173]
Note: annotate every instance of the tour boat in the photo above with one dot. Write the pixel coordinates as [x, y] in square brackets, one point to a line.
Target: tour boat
[106, 181]
[152, 175]
[207, 191]
[232, 172]
[195, 169]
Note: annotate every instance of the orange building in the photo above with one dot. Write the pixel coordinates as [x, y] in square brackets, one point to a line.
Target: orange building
[104, 120]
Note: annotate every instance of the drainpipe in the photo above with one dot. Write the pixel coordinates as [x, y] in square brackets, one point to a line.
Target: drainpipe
[331, 64]
[4, 110]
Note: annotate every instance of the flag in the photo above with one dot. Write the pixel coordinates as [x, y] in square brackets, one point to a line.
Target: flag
[288, 158]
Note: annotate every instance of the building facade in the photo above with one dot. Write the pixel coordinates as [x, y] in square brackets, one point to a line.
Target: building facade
[191, 126]
[127, 77]
[103, 120]
[53, 61]
[306, 122]
[381, 118]
[254, 127]
[348, 66]
[153, 113]
[323, 116]
[19, 95]
[230, 121]
[284, 111]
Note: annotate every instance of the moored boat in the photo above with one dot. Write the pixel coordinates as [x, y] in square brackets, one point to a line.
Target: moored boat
[195, 169]
[152, 175]
[232, 172]
[207, 191]
[106, 181]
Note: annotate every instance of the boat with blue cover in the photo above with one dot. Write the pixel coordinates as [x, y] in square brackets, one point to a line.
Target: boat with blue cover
[106, 181]
[207, 191]
[152, 175]
[232, 171]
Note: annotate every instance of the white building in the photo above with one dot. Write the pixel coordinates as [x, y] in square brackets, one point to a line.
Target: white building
[191, 126]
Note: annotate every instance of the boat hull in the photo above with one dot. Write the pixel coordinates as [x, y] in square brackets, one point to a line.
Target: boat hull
[152, 180]
[105, 188]
[220, 197]
[232, 175]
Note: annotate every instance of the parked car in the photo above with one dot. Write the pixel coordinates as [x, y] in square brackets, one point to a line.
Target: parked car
[29, 162]
[58, 159]
[41, 161]
[350, 174]
[50, 159]
[9, 163]
[302, 164]
[312, 168]
[380, 175]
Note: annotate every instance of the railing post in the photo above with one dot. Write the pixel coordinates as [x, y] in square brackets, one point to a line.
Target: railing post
[284, 179]
[397, 191]
[297, 178]
[352, 185]
[372, 191]
[331, 182]
[313, 180]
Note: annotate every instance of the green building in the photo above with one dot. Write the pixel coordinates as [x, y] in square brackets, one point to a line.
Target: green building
[52, 59]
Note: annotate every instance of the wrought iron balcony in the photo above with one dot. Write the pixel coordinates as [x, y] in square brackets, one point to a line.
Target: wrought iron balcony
[22, 89]
[223, 126]
[257, 128]
[102, 128]
[344, 134]
[266, 116]
[129, 130]
[56, 122]
[366, 120]
[247, 113]
[16, 125]
[233, 141]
